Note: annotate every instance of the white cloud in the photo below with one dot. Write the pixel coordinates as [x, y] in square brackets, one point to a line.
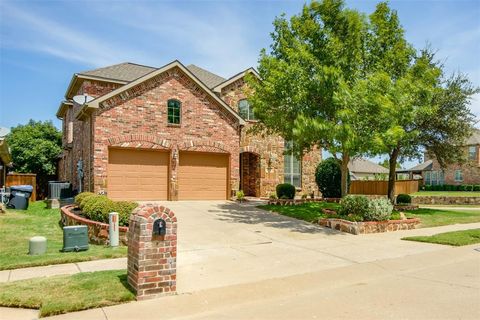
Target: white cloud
[43, 35]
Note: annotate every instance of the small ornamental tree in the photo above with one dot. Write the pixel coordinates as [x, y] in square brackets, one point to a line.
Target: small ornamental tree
[328, 177]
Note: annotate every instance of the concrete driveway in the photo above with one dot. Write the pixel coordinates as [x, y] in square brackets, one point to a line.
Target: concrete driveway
[225, 243]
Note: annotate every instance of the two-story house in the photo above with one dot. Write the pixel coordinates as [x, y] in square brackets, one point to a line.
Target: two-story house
[171, 133]
[454, 174]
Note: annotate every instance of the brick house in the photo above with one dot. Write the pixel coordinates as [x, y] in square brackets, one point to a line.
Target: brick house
[454, 174]
[171, 133]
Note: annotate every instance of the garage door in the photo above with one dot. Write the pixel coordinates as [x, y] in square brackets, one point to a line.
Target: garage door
[137, 174]
[202, 176]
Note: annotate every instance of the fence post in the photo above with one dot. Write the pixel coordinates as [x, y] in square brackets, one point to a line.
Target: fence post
[113, 231]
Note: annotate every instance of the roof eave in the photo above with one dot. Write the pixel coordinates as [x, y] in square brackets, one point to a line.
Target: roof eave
[96, 103]
[62, 109]
[219, 87]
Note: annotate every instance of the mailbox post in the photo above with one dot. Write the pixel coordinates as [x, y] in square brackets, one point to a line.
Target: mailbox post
[113, 231]
[152, 251]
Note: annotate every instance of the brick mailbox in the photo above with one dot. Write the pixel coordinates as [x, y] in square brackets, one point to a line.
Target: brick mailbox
[152, 251]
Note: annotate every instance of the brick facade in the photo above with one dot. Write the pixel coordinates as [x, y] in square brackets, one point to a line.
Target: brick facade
[138, 119]
[470, 170]
[152, 259]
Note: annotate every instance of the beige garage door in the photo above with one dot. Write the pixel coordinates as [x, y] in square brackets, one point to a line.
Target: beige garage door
[202, 176]
[137, 174]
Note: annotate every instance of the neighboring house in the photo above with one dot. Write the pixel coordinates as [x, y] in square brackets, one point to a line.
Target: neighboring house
[454, 174]
[5, 157]
[171, 133]
[363, 169]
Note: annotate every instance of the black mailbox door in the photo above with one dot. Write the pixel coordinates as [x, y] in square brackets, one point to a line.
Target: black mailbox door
[159, 227]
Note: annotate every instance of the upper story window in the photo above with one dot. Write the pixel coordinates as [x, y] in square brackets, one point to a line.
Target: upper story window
[472, 152]
[458, 175]
[292, 168]
[245, 110]
[174, 110]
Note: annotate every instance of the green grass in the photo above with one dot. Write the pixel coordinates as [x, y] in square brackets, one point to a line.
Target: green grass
[62, 294]
[448, 193]
[435, 217]
[454, 238]
[310, 211]
[17, 226]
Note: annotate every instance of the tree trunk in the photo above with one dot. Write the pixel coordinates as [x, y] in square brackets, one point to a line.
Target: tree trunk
[392, 174]
[344, 170]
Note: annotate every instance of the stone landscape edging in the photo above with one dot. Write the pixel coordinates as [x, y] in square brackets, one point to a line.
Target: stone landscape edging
[365, 227]
[445, 200]
[97, 231]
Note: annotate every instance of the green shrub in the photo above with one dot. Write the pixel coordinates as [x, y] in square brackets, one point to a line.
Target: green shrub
[86, 199]
[476, 187]
[81, 198]
[285, 191]
[124, 209]
[97, 208]
[404, 199]
[240, 195]
[463, 187]
[328, 177]
[378, 210]
[354, 205]
[449, 187]
[427, 188]
[273, 196]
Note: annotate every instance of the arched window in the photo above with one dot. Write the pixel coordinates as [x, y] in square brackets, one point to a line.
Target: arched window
[245, 110]
[174, 110]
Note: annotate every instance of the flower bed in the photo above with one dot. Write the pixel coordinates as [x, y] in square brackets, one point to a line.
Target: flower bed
[368, 226]
[97, 231]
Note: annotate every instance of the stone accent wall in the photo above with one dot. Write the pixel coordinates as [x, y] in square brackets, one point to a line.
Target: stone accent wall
[152, 259]
[357, 228]
[445, 200]
[270, 148]
[140, 116]
[97, 231]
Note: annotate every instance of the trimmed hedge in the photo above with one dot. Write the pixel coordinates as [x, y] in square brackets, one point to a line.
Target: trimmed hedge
[328, 177]
[404, 199]
[285, 191]
[451, 187]
[97, 207]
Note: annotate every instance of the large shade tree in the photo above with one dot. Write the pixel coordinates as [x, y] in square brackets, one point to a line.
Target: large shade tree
[308, 78]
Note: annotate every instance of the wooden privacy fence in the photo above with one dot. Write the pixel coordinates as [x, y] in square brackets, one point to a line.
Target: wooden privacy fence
[381, 187]
[15, 179]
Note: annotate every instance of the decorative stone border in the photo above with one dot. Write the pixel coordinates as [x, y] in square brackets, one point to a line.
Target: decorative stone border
[445, 200]
[292, 202]
[368, 226]
[405, 207]
[97, 231]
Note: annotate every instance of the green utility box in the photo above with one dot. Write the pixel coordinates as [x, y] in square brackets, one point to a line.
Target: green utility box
[75, 238]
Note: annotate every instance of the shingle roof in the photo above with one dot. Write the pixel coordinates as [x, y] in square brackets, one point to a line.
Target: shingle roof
[365, 166]
[427, 165]
[128, 72]
[211, 80]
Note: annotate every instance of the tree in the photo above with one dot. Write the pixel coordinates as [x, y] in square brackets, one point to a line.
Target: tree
[386, 164]
[308, 79]
[421, 109]
[35, 147]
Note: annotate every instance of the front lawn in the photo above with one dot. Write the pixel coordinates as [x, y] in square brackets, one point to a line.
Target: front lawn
[17, 226]
[454, 238]
[310, 211]
[62, 294]
[436, 217]
[447, 193]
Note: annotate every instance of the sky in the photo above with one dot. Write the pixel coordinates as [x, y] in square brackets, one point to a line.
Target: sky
[43, 43]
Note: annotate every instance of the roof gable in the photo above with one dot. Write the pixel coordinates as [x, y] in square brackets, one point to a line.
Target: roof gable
[236, 77]
[95, 104]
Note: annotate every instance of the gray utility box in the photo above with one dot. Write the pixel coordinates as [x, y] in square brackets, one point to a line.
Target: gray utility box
[75, 238]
